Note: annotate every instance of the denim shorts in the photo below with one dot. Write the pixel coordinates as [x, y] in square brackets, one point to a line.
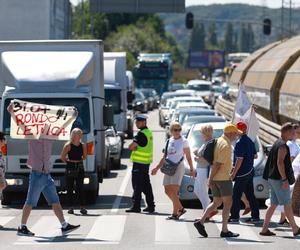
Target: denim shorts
[41, 183]
[279, 196]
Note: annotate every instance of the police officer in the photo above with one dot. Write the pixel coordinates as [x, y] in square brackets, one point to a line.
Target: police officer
[141, 156]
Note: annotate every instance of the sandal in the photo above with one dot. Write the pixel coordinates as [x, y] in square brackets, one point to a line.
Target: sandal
[284, 222]
[297, 233]
[267, 233]
[172, 217]
[181, 212]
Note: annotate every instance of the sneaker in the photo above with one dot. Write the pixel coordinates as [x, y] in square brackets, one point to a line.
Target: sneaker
[200, 228]
[252, 220]
[228, 235]
[149, 210]
[133, 210]
[69, 228]
[83, 211]
[71, 211]
[24, 231]
[233, 221]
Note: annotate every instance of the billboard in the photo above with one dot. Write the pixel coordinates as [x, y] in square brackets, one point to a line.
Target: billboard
[137, 6]
[212, 59]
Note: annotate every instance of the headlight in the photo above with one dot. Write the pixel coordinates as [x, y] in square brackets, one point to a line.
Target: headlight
[86, 181]
[14, 182]
[138, 103]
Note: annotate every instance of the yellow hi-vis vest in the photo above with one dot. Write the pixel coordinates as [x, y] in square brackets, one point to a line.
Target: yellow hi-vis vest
[144, 155]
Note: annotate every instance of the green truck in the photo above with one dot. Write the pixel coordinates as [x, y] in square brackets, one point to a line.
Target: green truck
[153, 71]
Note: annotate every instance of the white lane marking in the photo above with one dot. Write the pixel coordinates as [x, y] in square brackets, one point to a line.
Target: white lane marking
[247, 235]
[168, 232]
[5, 219]
[117, 202]
[108, 229]
[45, 229]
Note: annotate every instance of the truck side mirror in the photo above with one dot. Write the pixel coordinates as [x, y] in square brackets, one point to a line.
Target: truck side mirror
[108, 115]
[130, 97]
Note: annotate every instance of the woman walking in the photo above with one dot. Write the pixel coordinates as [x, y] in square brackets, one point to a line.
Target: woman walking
[176, 148]
[202, 170]
[73, 154]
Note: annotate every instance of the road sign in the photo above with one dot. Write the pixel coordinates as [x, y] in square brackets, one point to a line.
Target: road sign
[213, 59]
[137, 6]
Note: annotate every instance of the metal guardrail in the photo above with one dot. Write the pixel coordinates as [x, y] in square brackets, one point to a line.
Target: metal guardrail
[268, 132]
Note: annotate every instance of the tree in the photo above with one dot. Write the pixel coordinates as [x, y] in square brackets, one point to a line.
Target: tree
[229, 39]
[212, 36]
[197, 39]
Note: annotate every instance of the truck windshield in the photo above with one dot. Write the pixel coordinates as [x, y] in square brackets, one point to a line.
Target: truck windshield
[113, 97]
[151, 73]
[82, 105]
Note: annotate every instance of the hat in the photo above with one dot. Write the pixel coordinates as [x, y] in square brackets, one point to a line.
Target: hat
[242, 126]
[231, 128]
[141, 117]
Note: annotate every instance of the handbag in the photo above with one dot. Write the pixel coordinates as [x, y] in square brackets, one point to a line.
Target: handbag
[72, 169]
[169, 167]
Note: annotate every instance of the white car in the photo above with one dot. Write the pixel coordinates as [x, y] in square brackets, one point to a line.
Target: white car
[186, 193]
[203, 88]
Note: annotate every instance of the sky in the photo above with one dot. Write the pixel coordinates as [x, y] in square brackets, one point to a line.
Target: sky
[267, 3]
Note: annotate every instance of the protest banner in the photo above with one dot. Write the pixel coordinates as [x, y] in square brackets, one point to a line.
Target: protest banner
[39, 121]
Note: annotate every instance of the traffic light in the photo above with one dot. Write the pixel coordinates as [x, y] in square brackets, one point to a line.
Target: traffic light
[189, 20]
[267, 26]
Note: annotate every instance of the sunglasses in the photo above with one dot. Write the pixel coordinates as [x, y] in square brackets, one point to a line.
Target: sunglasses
[177, 129]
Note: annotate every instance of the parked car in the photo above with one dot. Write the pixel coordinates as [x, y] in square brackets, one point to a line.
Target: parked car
[148, 93]
[190, 121]
[140, 103]
[113, 140]
[203, 88]
[186, 193]
[177, 86]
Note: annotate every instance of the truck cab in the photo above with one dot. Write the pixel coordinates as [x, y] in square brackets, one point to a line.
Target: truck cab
[63, 73]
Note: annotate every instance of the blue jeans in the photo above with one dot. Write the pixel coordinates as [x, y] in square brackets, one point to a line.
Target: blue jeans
[41, 183]
[244, 185]
[279, 196]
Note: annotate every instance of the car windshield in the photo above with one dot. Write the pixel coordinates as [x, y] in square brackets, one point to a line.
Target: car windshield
[218, 89]
[199, 87]
[113, 97]
[139, 95]
[82, 105]
[147, 93]
[183, 116]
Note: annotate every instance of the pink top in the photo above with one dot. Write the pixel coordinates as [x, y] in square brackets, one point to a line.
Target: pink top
[39, 155]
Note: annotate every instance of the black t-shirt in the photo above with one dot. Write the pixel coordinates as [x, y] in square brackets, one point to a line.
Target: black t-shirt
[141, 138]
[271, 169]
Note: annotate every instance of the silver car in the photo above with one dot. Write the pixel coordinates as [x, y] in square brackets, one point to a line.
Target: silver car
[114, 143]
[186, 193]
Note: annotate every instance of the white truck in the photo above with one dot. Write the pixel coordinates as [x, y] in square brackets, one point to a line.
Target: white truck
[117, 91]
[67, 73]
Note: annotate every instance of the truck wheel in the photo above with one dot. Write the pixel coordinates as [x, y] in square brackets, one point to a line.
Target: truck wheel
[116, 163]
[7, 198]
[92, 195]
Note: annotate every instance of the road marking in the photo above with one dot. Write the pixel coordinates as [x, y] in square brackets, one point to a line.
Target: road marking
[286, 229]
[45, 229]
[247, 235]
[108, 229]
[168, 232]
[117, 202]
[5, 219]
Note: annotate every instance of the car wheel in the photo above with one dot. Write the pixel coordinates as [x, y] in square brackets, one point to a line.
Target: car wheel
[186, 203]
[116, 163]
[92, 195]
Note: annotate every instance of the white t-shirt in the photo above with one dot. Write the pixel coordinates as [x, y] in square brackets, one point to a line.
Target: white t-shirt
[296, 165]
[294, 148]
[175, 149]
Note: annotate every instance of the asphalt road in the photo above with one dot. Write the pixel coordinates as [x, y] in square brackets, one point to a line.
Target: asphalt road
[107, 226]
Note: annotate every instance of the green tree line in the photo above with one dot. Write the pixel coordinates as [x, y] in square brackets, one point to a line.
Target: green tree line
[132, 33]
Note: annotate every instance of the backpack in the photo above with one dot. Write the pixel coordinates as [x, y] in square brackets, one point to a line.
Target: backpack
[208, 151]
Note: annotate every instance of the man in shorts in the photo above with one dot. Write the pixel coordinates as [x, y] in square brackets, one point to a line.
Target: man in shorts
[220, 181]
[40, 181]
[279, 161]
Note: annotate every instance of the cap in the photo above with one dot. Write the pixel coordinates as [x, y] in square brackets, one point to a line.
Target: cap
[242, 126]
[141, 117]
[231, 128]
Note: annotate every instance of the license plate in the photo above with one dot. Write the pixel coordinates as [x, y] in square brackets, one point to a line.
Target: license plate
[57, 183]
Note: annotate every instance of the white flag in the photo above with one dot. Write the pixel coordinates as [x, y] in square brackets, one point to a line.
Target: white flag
[243, 104]
[251, 120]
